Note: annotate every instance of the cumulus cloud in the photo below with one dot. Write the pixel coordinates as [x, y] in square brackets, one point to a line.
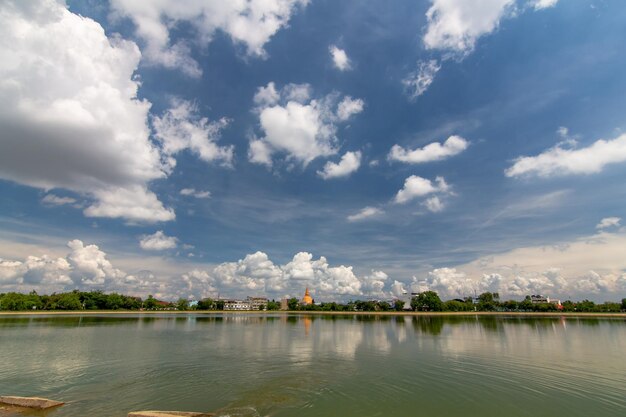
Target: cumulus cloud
[456, 25]
[340, 58]
[350, 162]
[297, 125]
[543, 4]
[135, 203]
[181, 128]
[349, 107]
[416, 186]
[608, 222]
[158, 241]
[435, 151]
[55, 200]
[73, 120]
[247, 23]
[86, 266]
[588, 267]
[192, 192]
[434, 204]
[417, 82]
[560, 161]
[365, 213]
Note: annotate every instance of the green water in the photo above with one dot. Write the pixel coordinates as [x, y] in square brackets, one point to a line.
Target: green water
[264, 365]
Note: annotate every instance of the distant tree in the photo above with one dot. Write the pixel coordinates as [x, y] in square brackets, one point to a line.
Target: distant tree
[398, 305]
[455, 305]
[219, 305]
[182, 304]
[585, 306]
[488, 301]
[69, 301]
[623, 303]
[273, 305]
[511, 305]
[293, 303]
[206, 304]
[427, 301]
[384, 306]
[150, 303]
[527, 304]
[114, 301]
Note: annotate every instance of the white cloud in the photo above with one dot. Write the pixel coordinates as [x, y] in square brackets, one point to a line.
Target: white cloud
[260, 153]
[55, 200]
[72, 120]
[365, 213]
[558, 161]
[266, 96]
[588, 267]
[350, 162]
[158, 241]
[297, 125]
[543, 4]
[340, 58]
[249, 23]
[135, 203]
[349, 107]
[456, 25]
[417, 82]
[181, 128]
[434, 204]
[415, 186]
[608, 222]
[195, 193]
[435, 151]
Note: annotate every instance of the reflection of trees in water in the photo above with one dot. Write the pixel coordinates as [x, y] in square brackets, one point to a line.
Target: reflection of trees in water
[432, 325]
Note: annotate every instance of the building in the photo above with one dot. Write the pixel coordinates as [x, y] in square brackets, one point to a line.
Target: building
[284, 304]
[307, 300]
[540, 299]
[250, 303]
[257, 303]
[236, 305]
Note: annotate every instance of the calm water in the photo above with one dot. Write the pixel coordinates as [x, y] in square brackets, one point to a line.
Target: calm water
[261, 365]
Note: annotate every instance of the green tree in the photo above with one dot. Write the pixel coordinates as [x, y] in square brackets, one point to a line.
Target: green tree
[182, 304]
[273, 305]
[219, 305]
[69, 301]
[206, 304]
[150, 303]
[427, 301]
[398, 305]
[488, 301]
[293, 303]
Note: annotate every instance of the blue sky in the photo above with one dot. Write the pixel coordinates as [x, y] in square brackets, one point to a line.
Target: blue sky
[358, 149]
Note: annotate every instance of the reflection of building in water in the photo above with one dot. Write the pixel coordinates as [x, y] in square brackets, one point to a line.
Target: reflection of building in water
[307, 325]
[307, 300]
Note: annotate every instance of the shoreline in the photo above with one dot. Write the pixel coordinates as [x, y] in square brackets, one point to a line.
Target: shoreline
[317, 313]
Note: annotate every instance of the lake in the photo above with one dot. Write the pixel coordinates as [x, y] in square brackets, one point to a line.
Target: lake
[317, 365]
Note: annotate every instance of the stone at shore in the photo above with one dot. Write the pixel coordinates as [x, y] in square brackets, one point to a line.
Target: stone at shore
[30, 402]
[169, 414]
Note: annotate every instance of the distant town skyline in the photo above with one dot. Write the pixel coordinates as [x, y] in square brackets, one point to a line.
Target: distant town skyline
[357, 149]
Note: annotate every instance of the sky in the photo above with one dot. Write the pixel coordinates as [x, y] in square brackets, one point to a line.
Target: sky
[361, 149]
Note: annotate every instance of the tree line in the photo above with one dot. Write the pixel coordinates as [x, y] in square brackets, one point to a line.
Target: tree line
[424, 301]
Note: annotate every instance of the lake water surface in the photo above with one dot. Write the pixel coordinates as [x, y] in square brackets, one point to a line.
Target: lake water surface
[323, 366]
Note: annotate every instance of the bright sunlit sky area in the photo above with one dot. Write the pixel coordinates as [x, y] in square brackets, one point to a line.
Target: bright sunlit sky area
[357, 148]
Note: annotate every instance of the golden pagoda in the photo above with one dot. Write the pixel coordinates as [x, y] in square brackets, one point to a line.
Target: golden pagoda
[307, 300]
